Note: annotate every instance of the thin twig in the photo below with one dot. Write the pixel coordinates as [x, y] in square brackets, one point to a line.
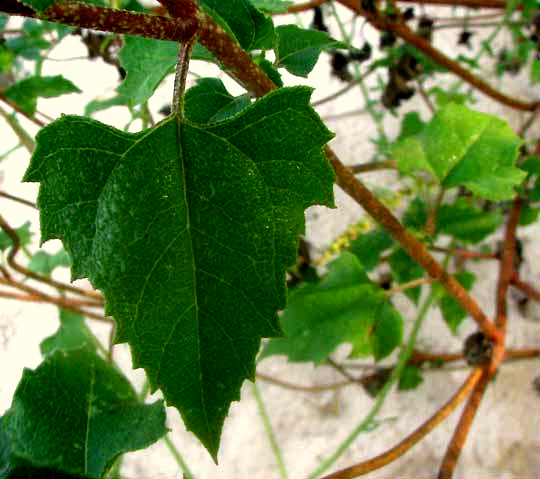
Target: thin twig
[8, 196]
[412, 245]
[463, 253]
[524, 287]
[410, 284]
[299, 387]
[24, 137]
[460, 434]
[401, 30]
[31, 274]
[302, 7]
[506, 272]
[182, 68]
[374, 166]
[411, 440]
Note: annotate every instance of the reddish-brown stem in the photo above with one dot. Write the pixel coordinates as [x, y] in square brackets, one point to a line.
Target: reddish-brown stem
[109, 19]
[231, 54]
[400, 449]
[460, 434]
[31, 274]
[463, 253]
[498, 4]
[402, 31]
[374, 166]
[524, 287]
[506, 269]
[414, 247]
[45, 298]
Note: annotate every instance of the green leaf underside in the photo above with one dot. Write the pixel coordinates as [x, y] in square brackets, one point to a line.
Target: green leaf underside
[460, 146]
[25, 93]
[343, 307]
[72, 333]
[147, 62]
[210, 102]
[298, 49]
[45, 263]
[272, 6]
[75, 413]
[188, 230]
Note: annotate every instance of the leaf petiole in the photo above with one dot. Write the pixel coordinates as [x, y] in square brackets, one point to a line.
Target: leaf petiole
[182, 68]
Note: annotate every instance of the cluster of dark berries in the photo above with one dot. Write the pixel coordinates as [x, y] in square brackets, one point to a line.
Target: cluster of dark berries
[397, 89]
[340, 61]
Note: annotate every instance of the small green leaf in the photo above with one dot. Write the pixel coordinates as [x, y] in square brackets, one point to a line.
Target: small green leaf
[460, 146]
[344, 307]
[188, 230]
[411, 378]
[444, 97]
[45, 263]
[452, 312]
[100, 105]
[411, 124]
[75, 414]
[467, 222]
[405, 269]
[272, 6]
[209, 102]
[416, 215]
[251, 27]
[23, 232]
[368, 247]
[147, 62]
[25, 92]
[72, 333]
[298, 49]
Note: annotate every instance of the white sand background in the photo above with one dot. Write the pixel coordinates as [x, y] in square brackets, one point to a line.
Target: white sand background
[504, 441]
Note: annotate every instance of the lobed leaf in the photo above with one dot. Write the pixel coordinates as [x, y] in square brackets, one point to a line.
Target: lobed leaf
[460, 146]
[298, 49]
[25, 92]
[188, 230]
[74, 415]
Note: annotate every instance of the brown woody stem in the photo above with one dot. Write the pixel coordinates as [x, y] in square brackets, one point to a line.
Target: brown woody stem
[406, 444]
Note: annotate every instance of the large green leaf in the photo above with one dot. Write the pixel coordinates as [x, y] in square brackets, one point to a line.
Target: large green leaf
[74, 414]
[298, 49]
[188, 230]
[344, 307]
[460, 146]
[252, 28]
[25, 93]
